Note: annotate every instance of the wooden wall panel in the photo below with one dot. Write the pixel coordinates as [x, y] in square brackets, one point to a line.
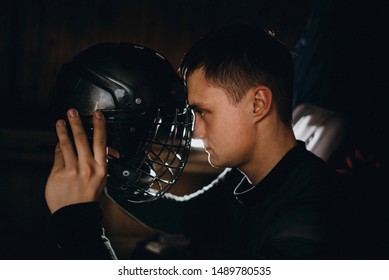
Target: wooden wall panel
[37, 37]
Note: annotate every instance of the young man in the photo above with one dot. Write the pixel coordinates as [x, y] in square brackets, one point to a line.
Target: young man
[273, 201]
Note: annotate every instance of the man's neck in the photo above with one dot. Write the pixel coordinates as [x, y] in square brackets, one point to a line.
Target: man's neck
[267, 153]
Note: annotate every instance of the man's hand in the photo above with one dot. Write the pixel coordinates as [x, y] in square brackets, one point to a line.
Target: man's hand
[80, 176]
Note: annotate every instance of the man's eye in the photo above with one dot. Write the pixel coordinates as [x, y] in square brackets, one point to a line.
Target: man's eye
[201, 113]
[198, 112]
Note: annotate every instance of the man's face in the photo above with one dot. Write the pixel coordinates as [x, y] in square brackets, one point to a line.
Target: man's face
[226, 129]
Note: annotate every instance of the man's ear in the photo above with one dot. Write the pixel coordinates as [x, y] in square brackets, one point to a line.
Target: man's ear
[262, 102]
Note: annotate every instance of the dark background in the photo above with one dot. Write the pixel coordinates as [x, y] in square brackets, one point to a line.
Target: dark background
[340, 49]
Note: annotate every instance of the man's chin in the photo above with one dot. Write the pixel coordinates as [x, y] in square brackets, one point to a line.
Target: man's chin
[213, 163]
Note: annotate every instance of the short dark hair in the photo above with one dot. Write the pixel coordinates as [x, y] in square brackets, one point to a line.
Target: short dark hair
[239, 57]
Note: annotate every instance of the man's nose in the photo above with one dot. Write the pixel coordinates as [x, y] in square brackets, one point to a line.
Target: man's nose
[199, 131]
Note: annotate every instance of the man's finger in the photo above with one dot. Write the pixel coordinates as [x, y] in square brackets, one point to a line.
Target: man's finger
[66, 147]
[99, 138]
[58, 158]
[80, 138]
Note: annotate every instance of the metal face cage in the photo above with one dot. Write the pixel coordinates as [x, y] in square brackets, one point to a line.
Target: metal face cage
[145, 173]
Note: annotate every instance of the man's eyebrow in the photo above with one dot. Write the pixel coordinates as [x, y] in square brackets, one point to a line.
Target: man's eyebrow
[194, 106]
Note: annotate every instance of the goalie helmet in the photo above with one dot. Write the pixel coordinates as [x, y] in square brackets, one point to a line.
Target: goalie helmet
[149, 124]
